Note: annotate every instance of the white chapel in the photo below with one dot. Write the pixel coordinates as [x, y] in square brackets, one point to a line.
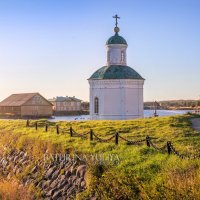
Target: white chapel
[116, 90]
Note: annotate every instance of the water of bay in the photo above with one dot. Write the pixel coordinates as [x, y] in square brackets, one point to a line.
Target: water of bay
[147, 113]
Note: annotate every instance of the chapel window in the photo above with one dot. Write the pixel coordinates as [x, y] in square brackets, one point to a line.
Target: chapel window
[122, 56]
[108, 56]
[96, 105]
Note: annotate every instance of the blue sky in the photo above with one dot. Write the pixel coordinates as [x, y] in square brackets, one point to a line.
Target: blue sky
[53, 46]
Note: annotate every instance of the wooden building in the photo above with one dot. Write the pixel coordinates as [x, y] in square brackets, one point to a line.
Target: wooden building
[26, 105]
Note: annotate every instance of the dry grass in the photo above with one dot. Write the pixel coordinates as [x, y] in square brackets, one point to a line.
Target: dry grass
[11, 190]
[184, 183]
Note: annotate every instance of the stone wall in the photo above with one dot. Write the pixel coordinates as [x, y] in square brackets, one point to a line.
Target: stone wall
[56, 180]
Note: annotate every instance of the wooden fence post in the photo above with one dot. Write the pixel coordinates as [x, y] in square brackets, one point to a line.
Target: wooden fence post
[148, 141]
[27, 123]
[116, 138]
[57, 129]
[46, 127]
[36, 125]
[91, 135]
[169, 147]
[71, 131]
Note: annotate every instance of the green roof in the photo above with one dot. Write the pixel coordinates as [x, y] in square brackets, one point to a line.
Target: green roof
[116, 39]
[116, 72]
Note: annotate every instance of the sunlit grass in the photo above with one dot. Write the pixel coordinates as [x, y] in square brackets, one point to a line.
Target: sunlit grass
[142, 172]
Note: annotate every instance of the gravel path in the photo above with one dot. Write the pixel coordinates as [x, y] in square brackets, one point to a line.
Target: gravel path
[196, 123]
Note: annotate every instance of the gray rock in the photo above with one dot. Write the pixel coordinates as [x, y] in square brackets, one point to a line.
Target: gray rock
[15, 169]
[78, 182]
[27, 182]
[62, 165]
[73, 169]
[40, 184]
[5, 163]
[25, 163]
[50, 165]
[50, 172]
[93, 198]
[55, 174]
[56, 195]
[65, 188]
[61, 198]
[71, 191]
[62, 183]
[24, 179]
[62, 178]
[81, 170]
[16, 158]
[2, 159]
[50, 192]
[46, 184]
[68, 166]
[54, 184]
[21, 153]
[68, 174]
[72, 179]
[11, 158]
[22, 160]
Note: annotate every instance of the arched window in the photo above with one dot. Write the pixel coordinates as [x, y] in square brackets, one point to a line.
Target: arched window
[122, 56]
[108, 56]
[96, 105]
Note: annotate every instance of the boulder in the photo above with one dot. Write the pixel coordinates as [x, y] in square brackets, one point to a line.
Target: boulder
[21, 153]
[50, 192]
[15, 169]
[71, 191]
[72, 179]
[46, 184]
[62, 183]
[56, 195]
[65, 188]
[40, 184]
[73, 168]
[81, 170]
[54, 184]
[55, 174]
[78, 182]
[50, 172]
[68, 174]
[61, 178]
[15, 159]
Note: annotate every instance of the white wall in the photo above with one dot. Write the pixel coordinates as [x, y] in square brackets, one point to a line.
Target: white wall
[114, 54]
[118, 99]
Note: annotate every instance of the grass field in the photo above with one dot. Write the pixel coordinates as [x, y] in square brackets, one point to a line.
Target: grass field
[141, 173]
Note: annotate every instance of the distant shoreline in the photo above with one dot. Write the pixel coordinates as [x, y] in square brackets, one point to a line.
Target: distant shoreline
[147, 113]
[147, 108]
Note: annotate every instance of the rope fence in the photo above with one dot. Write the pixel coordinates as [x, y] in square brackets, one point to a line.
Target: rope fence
[167, 148]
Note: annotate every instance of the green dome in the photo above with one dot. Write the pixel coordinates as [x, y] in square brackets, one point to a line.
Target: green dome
[116, 72]
[116, 39]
